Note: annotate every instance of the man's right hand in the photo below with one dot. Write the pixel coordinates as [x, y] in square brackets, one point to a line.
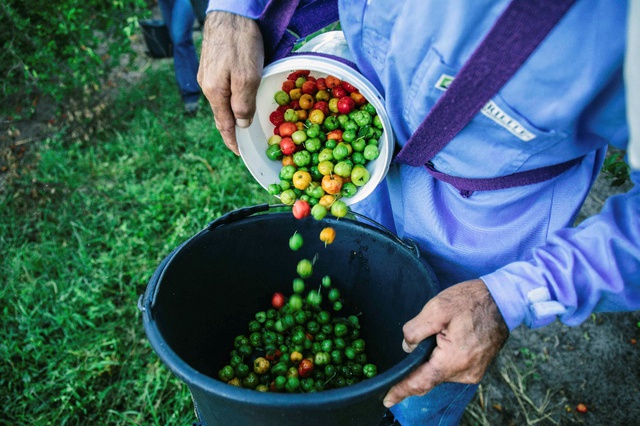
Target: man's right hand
[230, 71]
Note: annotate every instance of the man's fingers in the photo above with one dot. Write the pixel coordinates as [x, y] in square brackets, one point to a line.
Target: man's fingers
[447, 363]
[244, 87]
[422, 326]
[243, 122]
[243, 102]
[234, 104]
[469, 333]
[223, 117]
[419, 382]
[228, 135]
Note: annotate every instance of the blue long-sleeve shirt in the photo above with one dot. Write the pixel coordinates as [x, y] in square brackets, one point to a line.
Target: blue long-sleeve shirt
[566, 101]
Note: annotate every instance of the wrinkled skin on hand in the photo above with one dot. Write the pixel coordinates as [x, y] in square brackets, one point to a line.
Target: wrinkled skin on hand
[230, 70]
[470, 331]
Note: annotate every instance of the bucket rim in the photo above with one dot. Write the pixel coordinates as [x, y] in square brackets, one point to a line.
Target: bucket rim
[337, 397]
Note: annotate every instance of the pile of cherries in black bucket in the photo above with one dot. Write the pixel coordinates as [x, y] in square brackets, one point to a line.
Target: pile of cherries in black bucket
[300, 344]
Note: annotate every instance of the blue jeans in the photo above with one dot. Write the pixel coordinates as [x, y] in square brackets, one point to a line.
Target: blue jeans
[179, 17]
[443, 406]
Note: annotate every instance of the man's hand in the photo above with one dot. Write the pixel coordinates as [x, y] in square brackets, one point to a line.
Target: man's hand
[469, 333]
[230, 70]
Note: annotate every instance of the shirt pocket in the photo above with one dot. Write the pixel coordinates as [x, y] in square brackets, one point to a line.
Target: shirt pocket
[499, 134]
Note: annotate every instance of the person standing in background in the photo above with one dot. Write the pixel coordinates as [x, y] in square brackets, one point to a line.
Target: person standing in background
[180, 17]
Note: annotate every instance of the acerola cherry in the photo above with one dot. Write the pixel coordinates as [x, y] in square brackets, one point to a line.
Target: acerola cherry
[286, 129]
[288, 86]
[276, 118]
[277, 300]
[345, 105]
[296, 241]
[339, 92]
[332, 82]
[301, 209]
[287, 146]
[327, 235]
[358, 98]
[305, 368]
[322, 106]
[309, 87]
[349, 88]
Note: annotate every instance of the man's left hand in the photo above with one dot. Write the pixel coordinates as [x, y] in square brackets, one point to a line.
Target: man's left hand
[470, 331]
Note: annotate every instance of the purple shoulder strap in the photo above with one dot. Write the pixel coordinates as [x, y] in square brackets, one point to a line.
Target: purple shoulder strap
[525, 23]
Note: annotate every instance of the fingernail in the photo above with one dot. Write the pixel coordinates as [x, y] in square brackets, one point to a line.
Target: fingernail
[243, 122]
[387, 403]
[406, 347]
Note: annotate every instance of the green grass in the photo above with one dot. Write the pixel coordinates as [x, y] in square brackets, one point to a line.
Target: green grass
[81, 232]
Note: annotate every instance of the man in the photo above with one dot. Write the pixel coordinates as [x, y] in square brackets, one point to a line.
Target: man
[179, 17]
[506, 256]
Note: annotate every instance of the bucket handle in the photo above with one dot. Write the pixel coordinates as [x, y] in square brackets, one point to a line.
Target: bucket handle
[240, 214]
[249, 211]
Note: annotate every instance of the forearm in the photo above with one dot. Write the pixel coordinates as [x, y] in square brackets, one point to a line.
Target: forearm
[594, 267]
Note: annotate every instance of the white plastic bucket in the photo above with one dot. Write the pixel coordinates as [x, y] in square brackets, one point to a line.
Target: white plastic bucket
[252, 141]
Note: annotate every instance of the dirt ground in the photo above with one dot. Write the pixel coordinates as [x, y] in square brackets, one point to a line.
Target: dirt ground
[540, 376]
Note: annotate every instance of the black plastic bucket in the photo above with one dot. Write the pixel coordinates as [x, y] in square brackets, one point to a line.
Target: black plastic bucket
[156, 37]
[204, 293]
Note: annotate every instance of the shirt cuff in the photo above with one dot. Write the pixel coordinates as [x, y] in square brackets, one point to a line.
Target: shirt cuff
[248, 9]
[521, 298]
